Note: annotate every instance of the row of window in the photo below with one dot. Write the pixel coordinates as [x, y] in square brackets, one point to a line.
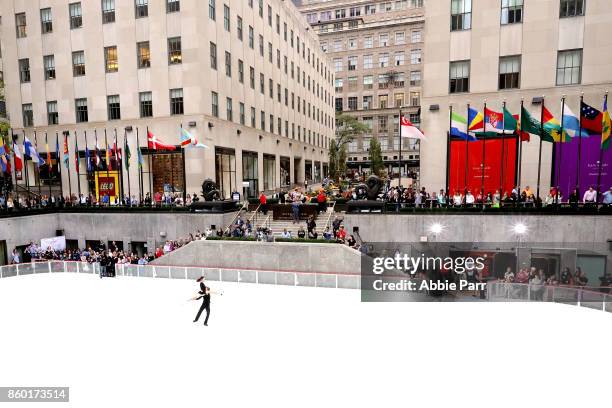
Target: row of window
[385, 81]
[368, 9]
[352, 43]
[569, 71]
[141, 10]
[384, 60]
[511, 12]
[367, 101]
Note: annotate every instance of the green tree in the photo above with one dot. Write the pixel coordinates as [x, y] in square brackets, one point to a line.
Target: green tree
[376, 159]
[347, 128]
[4, 124]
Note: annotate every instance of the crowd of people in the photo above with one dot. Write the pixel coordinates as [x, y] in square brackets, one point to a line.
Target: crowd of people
[537, 279]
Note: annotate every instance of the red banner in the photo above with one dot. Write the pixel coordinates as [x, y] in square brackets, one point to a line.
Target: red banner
[492, 167]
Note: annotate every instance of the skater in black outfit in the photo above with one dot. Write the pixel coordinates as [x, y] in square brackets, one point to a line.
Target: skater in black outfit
[204, 293]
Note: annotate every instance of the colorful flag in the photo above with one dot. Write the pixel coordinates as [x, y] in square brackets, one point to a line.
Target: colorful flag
[98, 154]
[475, 120]
[570, 121]
[57, 152]
[459, 127]
[606, 126]
[88, 159]
[552, 127]
[523, 136]
[592, 119]
[494, 121]
[410, 131]
[109, 165]
[66, 152]
[31, 152]
[188, 140]
[155, 144]
[3, 160]
[532, 125]
[48, 152]
[510, 122]
[17, 157]
[140, 158]
[128, 155]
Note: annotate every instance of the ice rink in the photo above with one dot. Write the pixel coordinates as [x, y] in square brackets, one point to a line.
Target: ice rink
[131, 342]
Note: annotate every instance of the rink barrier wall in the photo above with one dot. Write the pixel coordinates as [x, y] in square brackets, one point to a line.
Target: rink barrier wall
[256, 276]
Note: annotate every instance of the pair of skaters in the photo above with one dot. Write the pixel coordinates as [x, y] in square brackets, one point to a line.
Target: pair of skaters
[204, 294]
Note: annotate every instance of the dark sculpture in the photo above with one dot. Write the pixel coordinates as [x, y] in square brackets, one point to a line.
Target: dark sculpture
[370, 189]
[210, 191]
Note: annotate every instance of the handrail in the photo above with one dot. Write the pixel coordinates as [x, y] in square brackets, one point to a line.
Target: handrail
[246, 203]
[27, 191]
[329, 216]
[265, 223]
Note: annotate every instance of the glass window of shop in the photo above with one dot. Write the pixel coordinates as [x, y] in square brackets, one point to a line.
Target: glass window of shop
[250, 174]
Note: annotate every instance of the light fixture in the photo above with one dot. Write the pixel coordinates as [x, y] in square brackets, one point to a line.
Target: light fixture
[238, 131]
[128, 128]
[211, 125]
[520, 228]
[436, 228]
[193, 123]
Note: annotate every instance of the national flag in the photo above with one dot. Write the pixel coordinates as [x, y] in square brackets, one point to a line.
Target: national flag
[30, 151]
[88, 159]
[408, 130]
[475, 120]
[494, 121]
[128, 155]
[188, 140]
[571, 123]
[3, 155]
[155, 144]
[510, 121]
[48, 153]
[532, 125]
[17, 157]
[592, 119]
[76, 153]
[66, 152]
[606, 126]
[109, 165]
[459, 127]
[553, 127]
[140, 158]
[57, 152]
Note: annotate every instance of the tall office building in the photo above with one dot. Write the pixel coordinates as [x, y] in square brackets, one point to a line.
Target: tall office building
[246, 78]
[481, 51]
[376, 52]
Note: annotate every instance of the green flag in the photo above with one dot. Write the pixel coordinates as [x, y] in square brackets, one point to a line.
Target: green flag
[128, 155]
[531, 125]
[510, 122]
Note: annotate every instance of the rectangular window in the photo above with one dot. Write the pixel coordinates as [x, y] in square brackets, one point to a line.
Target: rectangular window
[214, 100]
[251, 37]
[262, 84]
[146, 104]
[113, 107]
[367, 102]
[415, 78]
[383, 60]
[383, 40]
[242, 115]
[176, 101]
[569, 67]
[76, 15]
[141, 8]
[399, 58]
[228, 64]
[46, 21]
[28, 115]
[78, 63]
[49, 64]
[338, 64]
[571, 8]
[230, 109]
[459, 77]
[175, 53]
[368, 42]
[339, 105]
[383, 102]
[261, 10]
[52, 115]
[367, 62]
[111, 62]
[262, 120]
[511, 11]
[509, 72]
[352, 103]
[239, 27]
[252, 77]
[270, 15]
[368, 81]
[24, 70]
[108, 11]
[352, 63]
[415, 36]
[415, 56]
[212, 10]
[253, 119]
[21, 25]
[226, 17]
[172, 6]
[461, 15]
[415, 98]
[213, 55]
[80, 108]
[241, 71]
[261, 46]
[270, 52]
[144, 54]
[400, 38]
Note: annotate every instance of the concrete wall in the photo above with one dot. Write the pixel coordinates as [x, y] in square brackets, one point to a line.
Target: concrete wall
[125, 227]
[266, 256]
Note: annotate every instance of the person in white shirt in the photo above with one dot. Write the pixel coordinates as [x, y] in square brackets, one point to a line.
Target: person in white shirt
[457, 199]
[590, 196]
[286, 234]
[469, 198]
[208, 232]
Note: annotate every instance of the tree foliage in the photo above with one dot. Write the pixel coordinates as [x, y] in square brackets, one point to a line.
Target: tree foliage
[347, 128]
[376, 158]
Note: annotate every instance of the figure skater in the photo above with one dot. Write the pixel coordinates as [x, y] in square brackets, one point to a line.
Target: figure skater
[204, 294]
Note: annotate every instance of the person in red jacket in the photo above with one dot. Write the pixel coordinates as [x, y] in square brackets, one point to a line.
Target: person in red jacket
[263, 202]
[322, 201]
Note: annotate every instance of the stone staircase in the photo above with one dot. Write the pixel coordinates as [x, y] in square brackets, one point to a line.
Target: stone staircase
[278, 226]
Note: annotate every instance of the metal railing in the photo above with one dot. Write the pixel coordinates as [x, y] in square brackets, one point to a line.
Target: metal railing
[244, 204]
[577, 296]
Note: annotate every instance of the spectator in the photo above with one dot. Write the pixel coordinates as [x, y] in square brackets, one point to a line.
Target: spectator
[263, 203]
[301, 233]
[590, 196]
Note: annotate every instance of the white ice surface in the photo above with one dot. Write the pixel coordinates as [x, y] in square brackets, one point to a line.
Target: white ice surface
[131, 342]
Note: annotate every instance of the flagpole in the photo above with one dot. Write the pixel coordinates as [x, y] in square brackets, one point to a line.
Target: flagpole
[520, 155]
[119, 165]
[579, 146]
[540, 152]
[76, 163]
[185, 175]
[448, 145]
[484, 140]
[140, 178]
[15, 145]
[560, 159]
[59, 163]
[399, 180]
[600, 154]
[502, 165]
[125, 150]
[467, 148]
[150, 169]
[87, 159]
[50, 167]
[38, 167]
[67, 147]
